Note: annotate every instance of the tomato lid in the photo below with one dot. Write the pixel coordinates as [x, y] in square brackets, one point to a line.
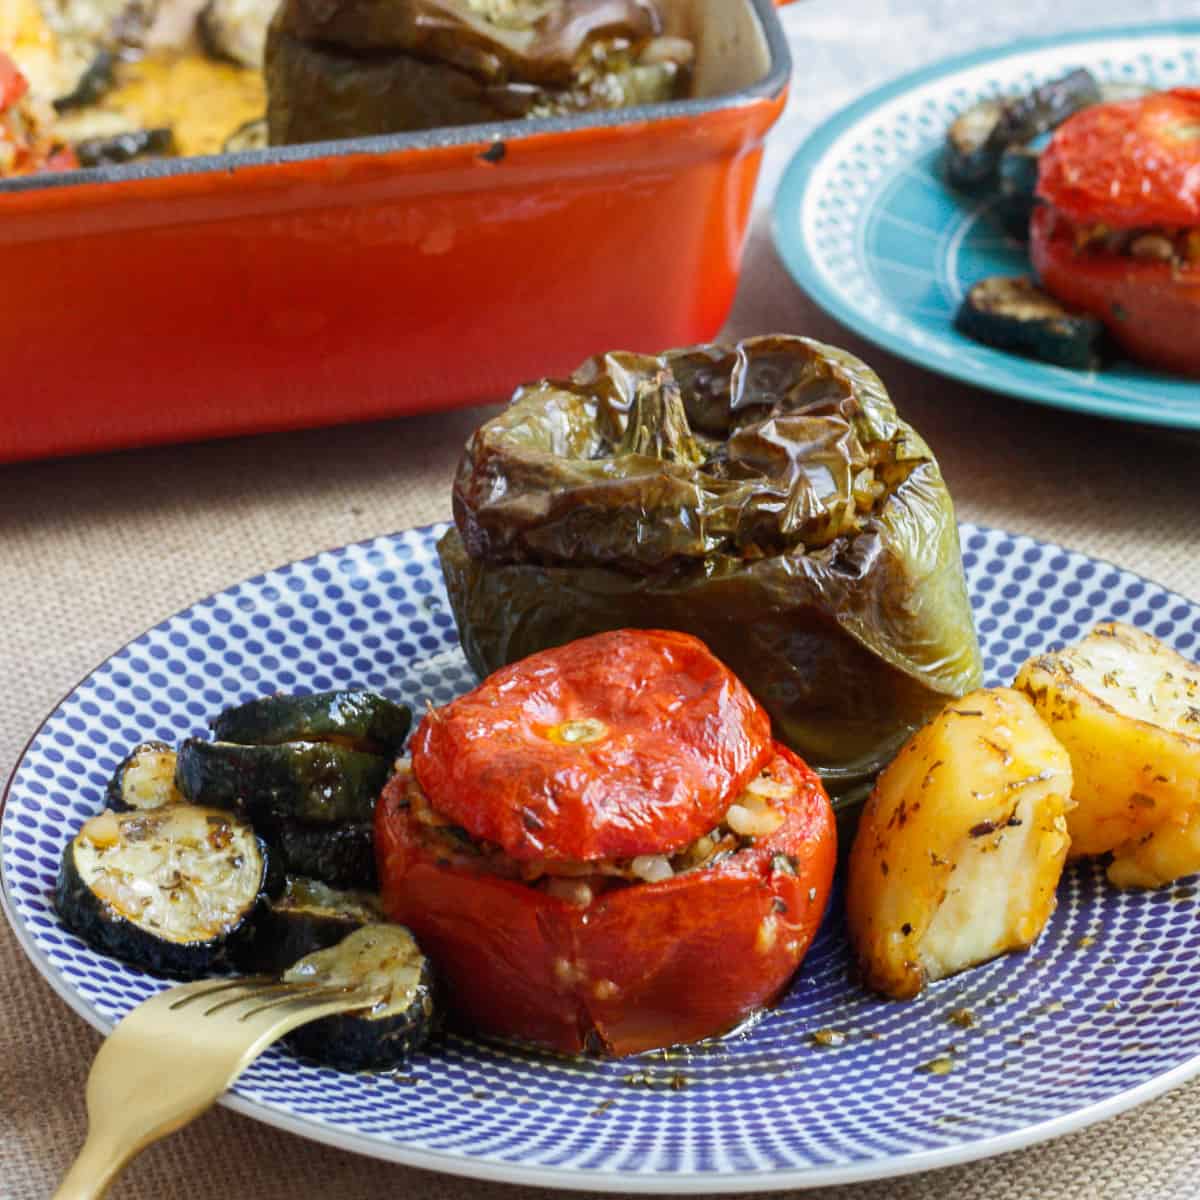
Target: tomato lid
[1128, 164]
[625, 743]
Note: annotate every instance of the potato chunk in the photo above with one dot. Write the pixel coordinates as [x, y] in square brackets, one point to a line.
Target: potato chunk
[961, 844]
[1127, 709]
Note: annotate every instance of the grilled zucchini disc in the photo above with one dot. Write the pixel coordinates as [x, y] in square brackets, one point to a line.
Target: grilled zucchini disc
[312, 782]
[384, 959]
[307, 916]
[342, 856]
[144, 779]
[357, 720]
[167, 890]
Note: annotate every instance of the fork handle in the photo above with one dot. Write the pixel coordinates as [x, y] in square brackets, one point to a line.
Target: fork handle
[94, 1168]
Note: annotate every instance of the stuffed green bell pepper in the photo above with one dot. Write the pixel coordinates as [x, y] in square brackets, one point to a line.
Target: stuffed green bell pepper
[764, 497]
[352, 68]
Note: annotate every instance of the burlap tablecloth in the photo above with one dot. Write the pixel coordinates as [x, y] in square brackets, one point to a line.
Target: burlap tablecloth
[92, 551]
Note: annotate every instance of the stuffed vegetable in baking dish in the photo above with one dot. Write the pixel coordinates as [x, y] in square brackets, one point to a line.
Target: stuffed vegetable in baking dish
[352, 68]
[765, 497]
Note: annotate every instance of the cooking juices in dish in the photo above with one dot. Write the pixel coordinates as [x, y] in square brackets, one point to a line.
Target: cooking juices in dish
[601, 847]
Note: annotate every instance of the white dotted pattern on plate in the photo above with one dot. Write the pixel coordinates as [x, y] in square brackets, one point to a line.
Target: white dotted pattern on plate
[1107, 1001]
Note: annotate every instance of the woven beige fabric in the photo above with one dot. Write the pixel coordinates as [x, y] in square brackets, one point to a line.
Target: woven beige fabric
[92, 551]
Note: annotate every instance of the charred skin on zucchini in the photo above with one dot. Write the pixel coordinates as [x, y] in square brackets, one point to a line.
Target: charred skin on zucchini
[144, 779]
[169, 890]
[307, 916]
[977, 139]
[311, 782]
[386, 960]
[342, 856]
[1016, 315]
[357, 720]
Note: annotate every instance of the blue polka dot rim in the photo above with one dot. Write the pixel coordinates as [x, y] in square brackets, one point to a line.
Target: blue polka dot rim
[1102, 1013]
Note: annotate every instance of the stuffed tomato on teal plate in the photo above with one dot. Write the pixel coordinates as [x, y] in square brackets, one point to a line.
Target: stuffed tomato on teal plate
[869, 226]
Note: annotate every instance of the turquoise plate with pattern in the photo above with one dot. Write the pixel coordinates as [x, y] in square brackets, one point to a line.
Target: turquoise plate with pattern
[868, 229]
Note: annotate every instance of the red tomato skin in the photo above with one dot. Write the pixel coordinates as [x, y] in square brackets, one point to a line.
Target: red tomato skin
[683, 734]
[1127, 164]
[1151, 310]
[644, 966]
[13, 84]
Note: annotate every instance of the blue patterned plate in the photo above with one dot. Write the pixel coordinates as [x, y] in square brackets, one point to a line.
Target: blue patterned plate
[867, 228]
[1104, 1012]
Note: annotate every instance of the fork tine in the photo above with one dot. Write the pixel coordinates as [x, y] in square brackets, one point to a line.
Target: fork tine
[314, 996]
[281, 991]
[198, 992]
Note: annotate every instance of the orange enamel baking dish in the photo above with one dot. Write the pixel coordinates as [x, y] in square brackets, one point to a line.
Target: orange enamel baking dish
[353, 280]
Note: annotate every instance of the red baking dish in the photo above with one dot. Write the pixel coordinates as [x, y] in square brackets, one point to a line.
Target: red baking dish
[353, 280]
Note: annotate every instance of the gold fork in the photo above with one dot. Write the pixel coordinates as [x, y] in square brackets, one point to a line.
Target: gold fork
[172, 1056]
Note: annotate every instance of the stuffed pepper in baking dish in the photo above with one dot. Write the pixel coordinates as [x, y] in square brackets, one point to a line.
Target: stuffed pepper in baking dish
[350, 68]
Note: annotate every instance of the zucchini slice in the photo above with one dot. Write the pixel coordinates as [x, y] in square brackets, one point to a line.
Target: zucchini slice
[1018, 175]
[978, 138]
[1016, 315]
[312, 782]
[1046, 107]
[168, 889]
[340, 855]
[357, 720]
[307, 916]
[971, 156]
[144, 779]
[381, 956]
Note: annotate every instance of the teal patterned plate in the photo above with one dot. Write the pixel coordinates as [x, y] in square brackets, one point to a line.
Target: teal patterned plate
[867, 228]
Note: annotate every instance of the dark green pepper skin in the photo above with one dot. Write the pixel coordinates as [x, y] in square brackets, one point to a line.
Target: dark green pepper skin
[360, 720]
[339, 855]
[765, 498]
[311, 782]
[303, 919]
[84, 913]
[350, 1042]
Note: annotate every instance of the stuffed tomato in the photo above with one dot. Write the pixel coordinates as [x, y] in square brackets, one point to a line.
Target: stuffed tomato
[1118, 235]
[602, 848]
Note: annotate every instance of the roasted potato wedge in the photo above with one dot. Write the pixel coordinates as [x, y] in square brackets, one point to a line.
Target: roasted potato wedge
[961, 844]
[1127, 709]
